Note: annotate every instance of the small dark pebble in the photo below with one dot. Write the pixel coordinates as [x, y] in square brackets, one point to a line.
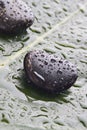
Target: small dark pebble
[49, 72]
[15, 16]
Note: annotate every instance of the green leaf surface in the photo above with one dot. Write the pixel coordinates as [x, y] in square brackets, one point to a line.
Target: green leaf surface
[60, 27]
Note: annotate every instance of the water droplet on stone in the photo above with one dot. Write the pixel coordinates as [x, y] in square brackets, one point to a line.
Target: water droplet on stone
[72, 70]
[50, 65]
[45, 62]
[59, 72]
[60, 61]
[41, 66]
[42, 55]
[39, 59]
[53, 60]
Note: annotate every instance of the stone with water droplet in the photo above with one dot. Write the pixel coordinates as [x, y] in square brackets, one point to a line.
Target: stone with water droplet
[15, 16]
[51, 77]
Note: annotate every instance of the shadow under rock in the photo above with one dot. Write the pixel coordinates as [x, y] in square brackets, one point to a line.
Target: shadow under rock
[31, 90]
[7, 36]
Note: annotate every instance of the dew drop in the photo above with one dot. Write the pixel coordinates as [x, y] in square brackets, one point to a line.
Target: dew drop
[39, 59]
[55, 82]
[60, 61]
[35, 55]
[59, 72]
[53, 60]
[42, 55]
[67, 68]
[41, 66]
[50, 65]
[62, 79]
[45, 62]
[72, 70]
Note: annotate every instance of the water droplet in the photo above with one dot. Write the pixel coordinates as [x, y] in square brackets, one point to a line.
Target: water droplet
[51, 68]
[66, 61]
[49, 72]
[67, 68]
[59, 72]
[55, 82]
[50, 65]
[35, 55]
[39, 59]
[62, 79]
[42, 55]
[41, 65]
[60, 61]
[53, 60]
[72, 70]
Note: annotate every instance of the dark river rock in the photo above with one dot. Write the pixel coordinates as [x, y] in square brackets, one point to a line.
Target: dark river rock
[49, 72]
[15, 16]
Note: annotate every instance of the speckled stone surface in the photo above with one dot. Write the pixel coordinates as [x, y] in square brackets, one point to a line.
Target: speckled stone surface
[15, 16]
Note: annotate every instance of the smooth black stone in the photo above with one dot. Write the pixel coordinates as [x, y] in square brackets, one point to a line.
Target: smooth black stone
[49, 72]
[15, 16]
